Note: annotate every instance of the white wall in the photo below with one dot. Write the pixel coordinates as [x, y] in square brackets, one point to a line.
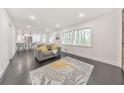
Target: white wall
[106, 39]
[7, 46]
[12, 39]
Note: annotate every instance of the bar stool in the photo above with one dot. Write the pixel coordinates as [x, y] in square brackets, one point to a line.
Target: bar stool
[20, 47]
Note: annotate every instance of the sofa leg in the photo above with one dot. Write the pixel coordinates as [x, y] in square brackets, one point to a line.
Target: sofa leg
[59, 56]
[36, 59]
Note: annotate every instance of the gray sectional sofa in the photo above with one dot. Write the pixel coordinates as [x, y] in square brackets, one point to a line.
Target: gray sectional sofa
[40, 56]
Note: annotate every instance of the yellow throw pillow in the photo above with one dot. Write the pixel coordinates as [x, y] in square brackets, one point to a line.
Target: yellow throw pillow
[43, 49]
[54, 47]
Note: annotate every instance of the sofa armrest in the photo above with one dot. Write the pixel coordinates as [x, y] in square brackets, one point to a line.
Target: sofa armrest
[59, 49]
[38, 54]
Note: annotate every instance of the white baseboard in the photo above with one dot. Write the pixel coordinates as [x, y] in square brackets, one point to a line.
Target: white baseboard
[4, 69]
[114, 63]
[13, 54]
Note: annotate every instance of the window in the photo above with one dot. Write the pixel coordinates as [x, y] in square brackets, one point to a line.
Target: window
[78, 37]
[52, 38]
[36, 38]
[43, 38]
[67, 38]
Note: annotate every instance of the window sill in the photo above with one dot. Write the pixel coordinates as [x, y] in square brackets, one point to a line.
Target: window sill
[77, 45]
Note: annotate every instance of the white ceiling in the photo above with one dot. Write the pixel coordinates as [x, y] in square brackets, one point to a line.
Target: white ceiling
[47, 18]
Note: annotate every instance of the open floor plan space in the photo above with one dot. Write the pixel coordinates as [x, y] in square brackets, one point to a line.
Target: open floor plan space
[61, 46]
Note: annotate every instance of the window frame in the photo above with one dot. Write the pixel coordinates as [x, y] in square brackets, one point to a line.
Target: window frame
[69, 35]
[78, 29]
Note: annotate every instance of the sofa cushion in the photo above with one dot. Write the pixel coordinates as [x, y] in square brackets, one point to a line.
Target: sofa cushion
[49, 47]
[54, 47]
[54, 51]
[43, 49]
[49, 53]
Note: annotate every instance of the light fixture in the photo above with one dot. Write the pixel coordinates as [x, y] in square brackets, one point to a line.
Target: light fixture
[81, 15]
[32, 17]
[47, 30]
[28, 26]
[57, 25]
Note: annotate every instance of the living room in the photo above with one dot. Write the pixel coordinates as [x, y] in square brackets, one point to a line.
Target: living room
[61, 45]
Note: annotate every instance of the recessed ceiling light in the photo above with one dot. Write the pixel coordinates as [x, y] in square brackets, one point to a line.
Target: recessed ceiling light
[47, 30]
[28, 26]
[57, 25]
[32, 17]
[81, 15]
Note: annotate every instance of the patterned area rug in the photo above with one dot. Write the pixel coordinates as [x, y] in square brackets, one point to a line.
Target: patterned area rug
[66, 71]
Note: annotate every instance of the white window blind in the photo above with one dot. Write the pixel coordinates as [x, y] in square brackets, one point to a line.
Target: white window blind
[78, 37]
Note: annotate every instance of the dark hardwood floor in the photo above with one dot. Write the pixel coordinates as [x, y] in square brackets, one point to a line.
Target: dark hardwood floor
[24, 62]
